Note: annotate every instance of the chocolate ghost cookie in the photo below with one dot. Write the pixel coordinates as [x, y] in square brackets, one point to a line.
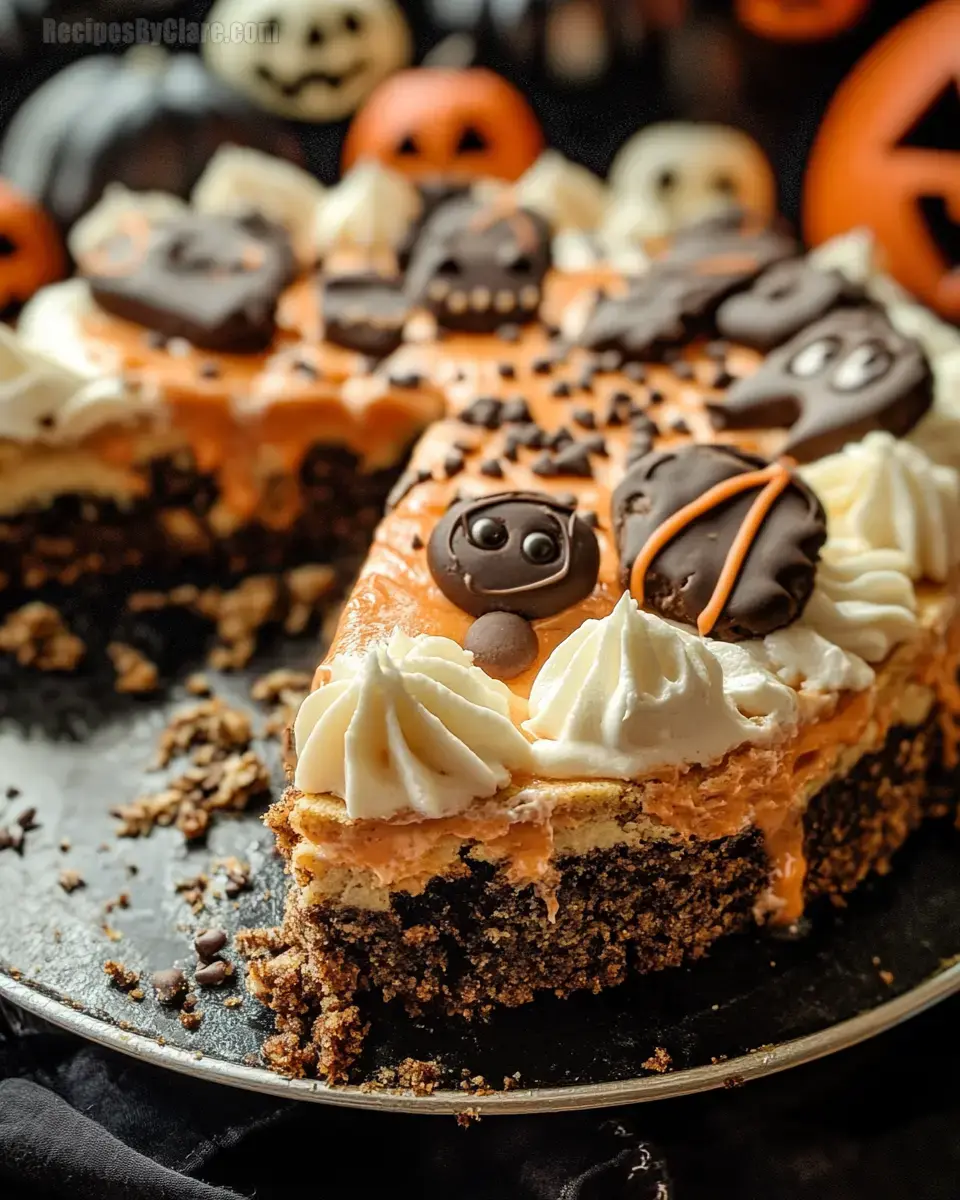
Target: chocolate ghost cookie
[782, 301]
[477, 267]
[842, 377]
[713, 537]
[213, 280]
[678, 297]
[514, 552]
[364, 312]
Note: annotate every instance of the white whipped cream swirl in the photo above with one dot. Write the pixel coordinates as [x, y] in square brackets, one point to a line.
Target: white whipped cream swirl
[632, 693]
[863, 600]
[890, 496]
[371, 209]
[411, 725]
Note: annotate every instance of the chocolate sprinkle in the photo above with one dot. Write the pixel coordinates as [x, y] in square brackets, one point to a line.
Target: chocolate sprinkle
[573, 460]
[209, 942]
[213, 974]
[491, 468]
[585, 418]
[544, 466]
[515, 410]
[485, 411]
[416, 542]
[506, 370]
[559, 437]
[452, 463]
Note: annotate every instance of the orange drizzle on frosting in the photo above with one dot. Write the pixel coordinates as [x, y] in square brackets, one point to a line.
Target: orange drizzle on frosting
[773, 480]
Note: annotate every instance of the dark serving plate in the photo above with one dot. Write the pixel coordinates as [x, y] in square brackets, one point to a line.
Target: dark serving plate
[72, 749]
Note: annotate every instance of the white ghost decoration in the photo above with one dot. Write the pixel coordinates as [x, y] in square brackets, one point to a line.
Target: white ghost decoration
[310, 60]
[674, 173]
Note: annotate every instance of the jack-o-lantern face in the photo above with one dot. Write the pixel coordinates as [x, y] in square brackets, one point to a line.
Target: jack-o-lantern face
[314, 60]
[31, 252]
[799, 20]
[436, 123]
[888, 156]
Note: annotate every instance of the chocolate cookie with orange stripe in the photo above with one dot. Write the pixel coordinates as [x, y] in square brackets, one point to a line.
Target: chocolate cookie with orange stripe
[719, 539]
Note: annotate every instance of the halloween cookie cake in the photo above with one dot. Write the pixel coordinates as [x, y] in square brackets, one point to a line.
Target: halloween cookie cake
[657, 640]
[658, 636]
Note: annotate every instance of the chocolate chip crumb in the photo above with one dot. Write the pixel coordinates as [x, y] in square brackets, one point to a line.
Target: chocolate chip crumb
[559, 437]
[416, 542]
[120, 976]
[27, 820]
[171, 985]
[12, 793]
[209, 942]
[561, 389]
[515, 411]
[679, 425]
[654, 396]
[491, 468]
[506, 370]
[485, 411]
[644, 425]
[595, 445]
[585, 418]
[70, 880]
[544, 466]
[213, 974]
[452, 463]
[541, 366]
[573, 460]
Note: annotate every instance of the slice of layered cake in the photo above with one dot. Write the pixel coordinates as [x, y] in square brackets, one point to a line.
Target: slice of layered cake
[197, 394]
[657, 640]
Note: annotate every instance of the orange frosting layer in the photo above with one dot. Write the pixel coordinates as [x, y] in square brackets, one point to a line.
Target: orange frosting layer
[249, 418]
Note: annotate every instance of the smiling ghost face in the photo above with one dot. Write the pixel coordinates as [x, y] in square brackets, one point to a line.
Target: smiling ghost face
[676, 173]
[311, 60]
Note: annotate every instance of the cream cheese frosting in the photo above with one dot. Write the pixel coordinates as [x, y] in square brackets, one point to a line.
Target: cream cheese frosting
[630, 693]
[409, 726]
[45, 401]
[863, 600]
[888, 495]
[371, 210]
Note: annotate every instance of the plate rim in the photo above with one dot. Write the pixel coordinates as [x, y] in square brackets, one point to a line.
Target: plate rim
[731, 1072]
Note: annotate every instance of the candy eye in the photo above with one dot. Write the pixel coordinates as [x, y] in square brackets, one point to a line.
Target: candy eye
[540, 548]
[862, 366]
[488, 534]
[812, 359]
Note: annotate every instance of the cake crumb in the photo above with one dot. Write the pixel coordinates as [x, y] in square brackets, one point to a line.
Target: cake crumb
[467, 1117]
[136, 674]
[120, 976]
[659, 1061]
[208, 722]
[70, 880]
[37, 636]
[236, 871]
[306, 586]
[191, 1021]
[198, 685]
[113, 935]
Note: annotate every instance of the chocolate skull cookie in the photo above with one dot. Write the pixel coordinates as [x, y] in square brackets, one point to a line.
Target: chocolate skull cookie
[838, 380]
[516, 552]
[713, 537]
[479, 266]
[364, 312]
[211, 279]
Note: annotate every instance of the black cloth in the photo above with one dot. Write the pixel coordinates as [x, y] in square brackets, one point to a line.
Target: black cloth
[878, 1122]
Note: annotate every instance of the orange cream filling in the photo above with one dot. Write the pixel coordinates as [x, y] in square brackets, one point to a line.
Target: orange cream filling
[250, 418]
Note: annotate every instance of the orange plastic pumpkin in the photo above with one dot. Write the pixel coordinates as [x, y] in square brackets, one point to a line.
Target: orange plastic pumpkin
[888, 156]
[807, 21]
[434, 122]
[31, 252]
